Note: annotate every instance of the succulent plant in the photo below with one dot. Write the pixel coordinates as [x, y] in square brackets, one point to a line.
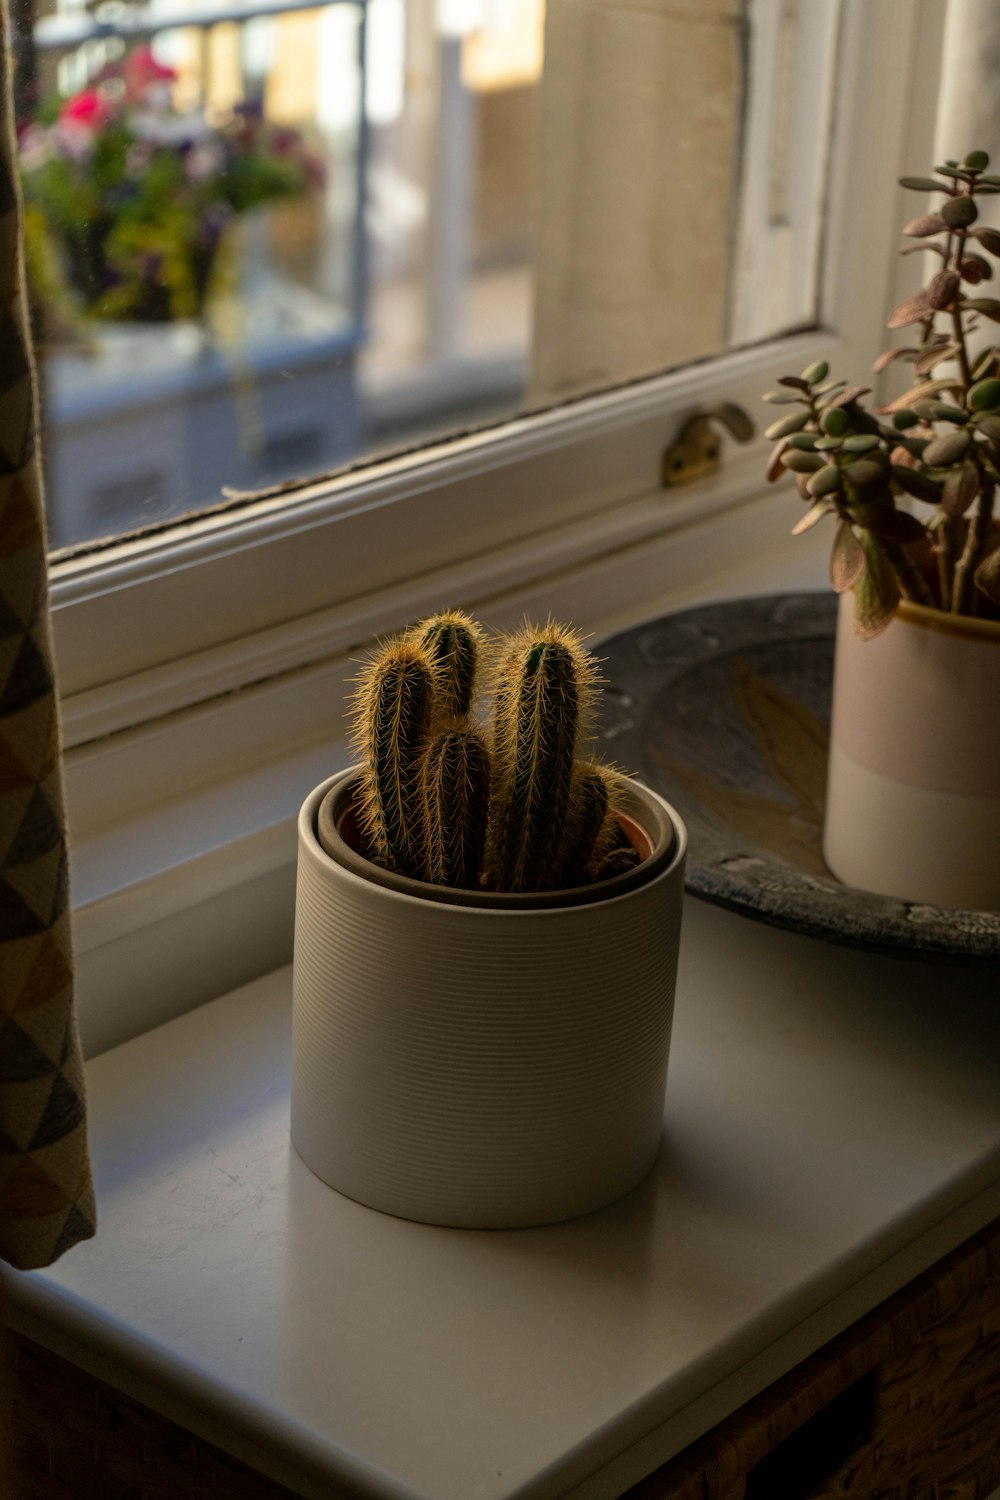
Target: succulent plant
[511, 809]
[938, 443]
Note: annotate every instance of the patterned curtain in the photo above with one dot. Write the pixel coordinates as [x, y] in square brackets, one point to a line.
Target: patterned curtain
[46, 1197]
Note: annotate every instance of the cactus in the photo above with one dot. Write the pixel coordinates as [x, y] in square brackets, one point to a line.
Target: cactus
[393, 709]
[456, 790]
[587, 817]
[612, 853]
[544, 689]
[452, 641]
[436, 804]
[617, 861]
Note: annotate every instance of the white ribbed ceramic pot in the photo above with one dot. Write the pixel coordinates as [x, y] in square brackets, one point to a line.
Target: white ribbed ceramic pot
[913, 795]
[480, 1066]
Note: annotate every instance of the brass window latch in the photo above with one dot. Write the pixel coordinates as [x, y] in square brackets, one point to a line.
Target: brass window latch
[695, 450]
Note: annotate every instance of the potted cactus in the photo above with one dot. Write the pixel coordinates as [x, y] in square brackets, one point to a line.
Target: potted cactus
[913, 797]
[487, 925]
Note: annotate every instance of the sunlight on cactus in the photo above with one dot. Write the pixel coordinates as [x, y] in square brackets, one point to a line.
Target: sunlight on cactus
[455, 782]
[393, 712]
[508, 809]
[544, 686]
[452, 641]
[589, 830]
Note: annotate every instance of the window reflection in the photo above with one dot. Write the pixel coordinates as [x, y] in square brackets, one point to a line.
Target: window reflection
[266, 238]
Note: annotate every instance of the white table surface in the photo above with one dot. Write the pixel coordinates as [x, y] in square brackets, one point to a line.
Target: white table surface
[832, 1128]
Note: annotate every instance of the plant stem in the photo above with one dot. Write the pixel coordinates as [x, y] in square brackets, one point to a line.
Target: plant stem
[958, 326]
[962, 599]
[911, 581]
[946, 537]
[963, 353]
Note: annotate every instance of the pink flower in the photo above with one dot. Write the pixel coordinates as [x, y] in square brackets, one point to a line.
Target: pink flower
[86, 110]
[35, 147]
[142, 71]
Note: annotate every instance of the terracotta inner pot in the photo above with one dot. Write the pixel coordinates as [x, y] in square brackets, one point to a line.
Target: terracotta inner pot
[339, 834]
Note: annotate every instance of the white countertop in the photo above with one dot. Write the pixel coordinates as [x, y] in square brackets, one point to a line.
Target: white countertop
[832, 1128]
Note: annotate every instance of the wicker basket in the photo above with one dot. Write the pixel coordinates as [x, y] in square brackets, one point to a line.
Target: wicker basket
[903, 1406]
[75, 1438]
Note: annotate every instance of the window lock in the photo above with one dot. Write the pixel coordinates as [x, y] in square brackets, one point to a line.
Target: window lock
[696, 450]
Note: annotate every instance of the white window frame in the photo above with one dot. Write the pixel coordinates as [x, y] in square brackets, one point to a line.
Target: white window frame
[203, 672]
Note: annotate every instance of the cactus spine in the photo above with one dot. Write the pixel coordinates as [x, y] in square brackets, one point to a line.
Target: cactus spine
[590, 798]
[393, 715]
[451, 641]
[456, 787]
[437, 805]
[616, 861]
[544, 689]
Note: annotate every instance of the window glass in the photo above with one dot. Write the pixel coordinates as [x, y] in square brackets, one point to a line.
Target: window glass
[267, 239]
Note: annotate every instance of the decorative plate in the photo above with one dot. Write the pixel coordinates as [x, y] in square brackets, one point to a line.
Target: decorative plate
[725, 710]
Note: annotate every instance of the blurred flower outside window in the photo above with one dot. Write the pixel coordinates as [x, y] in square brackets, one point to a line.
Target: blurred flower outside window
[129, 202]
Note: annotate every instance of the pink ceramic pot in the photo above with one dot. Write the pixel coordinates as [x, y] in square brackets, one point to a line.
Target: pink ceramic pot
[913, 797]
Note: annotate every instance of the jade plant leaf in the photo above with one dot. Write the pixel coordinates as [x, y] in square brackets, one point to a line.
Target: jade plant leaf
[803, 463]
[775, 465]
[943, 288]
[985, 395]
[988, 238]
[960, 489]
[975, 269]
[813, 514]
[887, 356]
[876, 592]
[947, 450]
[922, 184]
[846, 560]
[825, 482]
[917, 484]
[921, 392]
[988, 306]
[988, 576]
[959, 213]
[916, 309]
[925, 225]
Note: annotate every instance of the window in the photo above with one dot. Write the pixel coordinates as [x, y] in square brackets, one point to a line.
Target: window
[267, 239]
[203, 669]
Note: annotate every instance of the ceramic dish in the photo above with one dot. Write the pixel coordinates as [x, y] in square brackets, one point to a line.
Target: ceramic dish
[725, 710]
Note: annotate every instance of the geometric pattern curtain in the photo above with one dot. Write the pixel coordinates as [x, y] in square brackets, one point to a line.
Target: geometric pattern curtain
[46, 1196]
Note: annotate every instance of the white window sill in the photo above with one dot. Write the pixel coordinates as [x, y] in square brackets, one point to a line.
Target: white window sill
[832, 1128]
